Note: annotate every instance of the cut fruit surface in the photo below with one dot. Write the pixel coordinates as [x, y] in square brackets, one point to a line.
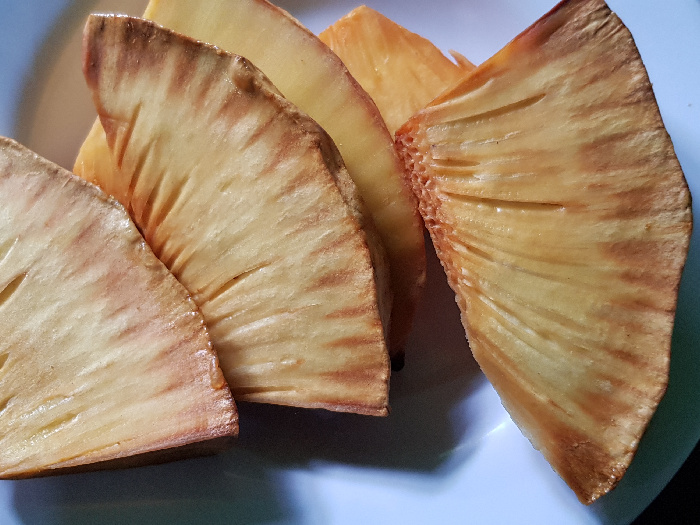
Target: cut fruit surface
[401, 70]
[103, 355]
[561, 215]
[248, 203]
[313, 78]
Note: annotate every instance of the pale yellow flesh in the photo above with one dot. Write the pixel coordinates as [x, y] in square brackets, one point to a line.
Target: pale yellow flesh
[314, 79]
[103, 354]
[401, 70]
[560, 212]
[246, 201]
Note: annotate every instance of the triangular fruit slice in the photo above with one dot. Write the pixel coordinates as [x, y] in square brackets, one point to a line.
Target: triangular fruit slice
[313, 78]
[401, 70]
[561, 215]
[246, 200]
[104, 358]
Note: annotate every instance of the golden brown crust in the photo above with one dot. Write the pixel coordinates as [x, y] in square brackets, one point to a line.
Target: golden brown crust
[249, 80]
[356, 126]
[95, 311]
[562, 220]
[279, 223]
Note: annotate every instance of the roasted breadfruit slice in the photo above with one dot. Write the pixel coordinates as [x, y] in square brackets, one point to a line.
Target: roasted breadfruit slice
[402, 71]
[104, 358]
[313, 78]
[562, 218]
[247, 201]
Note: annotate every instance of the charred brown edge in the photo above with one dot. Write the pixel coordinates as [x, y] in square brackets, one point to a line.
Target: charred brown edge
[540, 30]
[209, 447]
[255, 82]
[227, 435]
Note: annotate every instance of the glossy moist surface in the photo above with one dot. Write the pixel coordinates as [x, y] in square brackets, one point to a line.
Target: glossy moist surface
[562, 218]
[103, 355]
[401, 70]
[246, 200]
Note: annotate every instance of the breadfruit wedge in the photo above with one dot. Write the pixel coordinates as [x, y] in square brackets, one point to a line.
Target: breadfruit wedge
[246, 200]
[104, 358]
[313, 78]
[401, 70]
[562, 218]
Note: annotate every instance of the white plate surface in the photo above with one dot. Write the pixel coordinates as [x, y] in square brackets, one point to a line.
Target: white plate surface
[448, 453]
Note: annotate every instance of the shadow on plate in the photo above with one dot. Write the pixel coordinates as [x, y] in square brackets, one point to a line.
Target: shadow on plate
[218, 489]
